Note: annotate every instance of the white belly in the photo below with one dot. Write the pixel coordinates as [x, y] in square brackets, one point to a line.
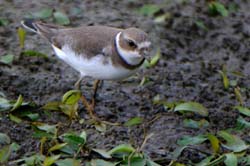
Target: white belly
[93, 67]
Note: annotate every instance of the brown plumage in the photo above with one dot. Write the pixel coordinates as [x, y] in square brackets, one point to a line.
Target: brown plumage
[82, 41]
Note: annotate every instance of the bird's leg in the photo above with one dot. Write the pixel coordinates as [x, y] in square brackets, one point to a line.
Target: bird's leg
[85, 102]
[95, 88]
[90, 107]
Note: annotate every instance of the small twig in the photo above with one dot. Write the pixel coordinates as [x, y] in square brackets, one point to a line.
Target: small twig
[111, 124]
[145, 141]
[130, 156]
[156, 117]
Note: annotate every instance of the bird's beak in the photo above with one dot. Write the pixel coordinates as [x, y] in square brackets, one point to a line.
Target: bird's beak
[144, 53]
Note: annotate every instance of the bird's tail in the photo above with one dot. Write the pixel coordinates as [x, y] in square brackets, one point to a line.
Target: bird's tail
[46, 30]
[30, 25]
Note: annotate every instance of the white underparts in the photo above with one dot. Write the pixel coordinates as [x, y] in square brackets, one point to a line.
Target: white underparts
[131, 57]
[93, 67]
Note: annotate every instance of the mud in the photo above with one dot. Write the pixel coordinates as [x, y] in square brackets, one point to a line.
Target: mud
[187, 71]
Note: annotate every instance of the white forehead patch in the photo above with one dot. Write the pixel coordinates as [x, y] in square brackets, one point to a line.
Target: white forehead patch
[144, 44]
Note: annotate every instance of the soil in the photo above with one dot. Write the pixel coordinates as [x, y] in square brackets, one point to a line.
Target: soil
[187, 71]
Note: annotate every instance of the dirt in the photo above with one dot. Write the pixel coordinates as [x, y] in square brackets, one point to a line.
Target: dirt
[187, 71]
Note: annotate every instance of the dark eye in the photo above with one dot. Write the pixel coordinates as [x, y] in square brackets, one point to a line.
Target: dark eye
[132, 44]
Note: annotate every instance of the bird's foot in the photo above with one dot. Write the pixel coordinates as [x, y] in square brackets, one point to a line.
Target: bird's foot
[90, 107]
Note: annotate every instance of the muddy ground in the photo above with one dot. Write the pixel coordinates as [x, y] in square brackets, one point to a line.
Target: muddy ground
[187, 71]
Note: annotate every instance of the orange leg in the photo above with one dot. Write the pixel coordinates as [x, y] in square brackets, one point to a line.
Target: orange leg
[90, 107]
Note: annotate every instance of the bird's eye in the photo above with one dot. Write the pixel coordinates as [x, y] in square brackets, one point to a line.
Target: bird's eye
[132, 44]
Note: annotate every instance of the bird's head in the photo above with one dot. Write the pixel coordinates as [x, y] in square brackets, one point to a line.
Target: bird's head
[133, 45]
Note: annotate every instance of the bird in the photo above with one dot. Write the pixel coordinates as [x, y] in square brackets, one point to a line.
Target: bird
[98, 51]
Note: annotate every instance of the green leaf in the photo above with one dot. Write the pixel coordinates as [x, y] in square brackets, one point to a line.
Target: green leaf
[61, 18]
[217, 8]
[73, 139]
[162, 18]
[135, 161]
[243, 110]
[233, 142]
[146, 63]
[100, 126]
[149, 9]
[244, 160]
[237, 92]
[192, 107]
[43, 13]
[32, 53]
[74, 142]
[201, 25]
[69, 149]
[40, 134]
[191, 140]
[32, 116]
[21, 36]
[18, 103]
[152, 163]
[177, 152]
[155, 58]
[52, 106]
[84, 135]
[5, 153]
[34, 160]
[134, 121]
[57, 147]
[15, 118]
[4, 138]
[205, 162]
[68, 162]
[50, 160]
[231, 160]
[144, 81]
[46, 127]
[217, 161]
[221, 9]
[225, 79]
[214, 142]
[99, 162]
[233, 83]
[4, 22]
[178, 164]
[15, 147]
[71, 97]
[103, 153]
[190, 123]
[242, 123]
[121, 150]
[25, 113]
[7, 59]
[4, 104]
[69, 110]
